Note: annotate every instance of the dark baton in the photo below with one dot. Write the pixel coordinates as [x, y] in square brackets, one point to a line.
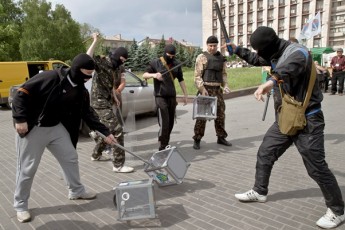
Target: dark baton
[266, 105]
[222, 26]
[174, 67]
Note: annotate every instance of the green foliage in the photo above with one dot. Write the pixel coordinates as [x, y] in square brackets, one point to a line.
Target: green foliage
[160, 48]
[142, 57]
[49, 33]
[129, 64]
[238, 78]
[10, 30]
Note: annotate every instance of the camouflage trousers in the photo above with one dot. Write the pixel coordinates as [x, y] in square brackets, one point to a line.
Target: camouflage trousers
[108, 118]
[219, 122]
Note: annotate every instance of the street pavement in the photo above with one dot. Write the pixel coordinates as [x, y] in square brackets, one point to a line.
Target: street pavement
[205, 199]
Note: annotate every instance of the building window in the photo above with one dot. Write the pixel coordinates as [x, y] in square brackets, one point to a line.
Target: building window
[250, 28]
[240, 8]
[281, 34]
[250, 6]
[292, 33]
[281, 12]
[260, 16]
[250, 17]
[305, 8]
[231, 20]
[270, 14]
[281, 24]
[270, 23]
[240, 19]
[292, 22]
[260, 4]
[293, 10]
[214, 23]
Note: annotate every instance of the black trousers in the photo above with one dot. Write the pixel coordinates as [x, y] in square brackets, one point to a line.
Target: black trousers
[166, 117]
[310, 144]
[338, 77]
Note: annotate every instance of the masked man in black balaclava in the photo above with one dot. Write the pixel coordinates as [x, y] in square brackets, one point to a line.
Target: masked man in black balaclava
[107, 84]
[165, 92]
[47, 111]
[291, 69]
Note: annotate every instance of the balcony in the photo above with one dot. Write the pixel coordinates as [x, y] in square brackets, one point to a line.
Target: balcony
[281, 28]
[270, 6]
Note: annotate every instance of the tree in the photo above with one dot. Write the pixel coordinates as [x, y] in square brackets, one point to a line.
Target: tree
[131, 55]
[160, 48]
[48, 33]
[142, 57]
[10, 30]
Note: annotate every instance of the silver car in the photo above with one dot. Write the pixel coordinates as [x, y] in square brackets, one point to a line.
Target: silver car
[137, 97]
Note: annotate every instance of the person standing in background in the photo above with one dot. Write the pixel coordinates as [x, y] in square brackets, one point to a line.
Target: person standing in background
[338, 72]
[322, 76]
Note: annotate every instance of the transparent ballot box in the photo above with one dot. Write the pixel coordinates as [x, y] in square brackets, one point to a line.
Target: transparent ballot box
[135, 200]
[167, 167]
[205, 108]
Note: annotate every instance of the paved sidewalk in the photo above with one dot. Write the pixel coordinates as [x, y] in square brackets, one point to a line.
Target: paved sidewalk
[205, 200]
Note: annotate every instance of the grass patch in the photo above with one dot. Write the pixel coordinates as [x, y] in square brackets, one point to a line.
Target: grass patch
[238, 78]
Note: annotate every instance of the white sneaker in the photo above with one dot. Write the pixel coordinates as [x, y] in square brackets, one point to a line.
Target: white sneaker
[84, 196]
[101, 158]
[251, 196]
[23, 216]
[330, 220]
[123, 169]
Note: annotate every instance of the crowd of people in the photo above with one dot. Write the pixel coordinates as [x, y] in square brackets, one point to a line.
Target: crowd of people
[48, 108]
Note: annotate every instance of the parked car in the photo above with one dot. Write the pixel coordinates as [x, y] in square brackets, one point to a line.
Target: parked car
[15, 73]
[137, 97]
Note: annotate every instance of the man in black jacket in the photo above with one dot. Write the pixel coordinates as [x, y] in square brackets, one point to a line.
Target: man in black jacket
[47, 111]
[165, 92]
[291, 66]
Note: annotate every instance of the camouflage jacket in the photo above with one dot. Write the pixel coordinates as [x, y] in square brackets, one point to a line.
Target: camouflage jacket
[103, 82]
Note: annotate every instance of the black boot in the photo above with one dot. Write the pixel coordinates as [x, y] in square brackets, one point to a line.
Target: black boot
[222, 141]
[196, 144]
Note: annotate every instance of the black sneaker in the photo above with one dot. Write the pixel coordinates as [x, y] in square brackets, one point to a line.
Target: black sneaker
[222, 141]
[196, 144]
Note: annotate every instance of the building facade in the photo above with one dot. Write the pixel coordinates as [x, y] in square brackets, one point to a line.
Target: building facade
[286, 17]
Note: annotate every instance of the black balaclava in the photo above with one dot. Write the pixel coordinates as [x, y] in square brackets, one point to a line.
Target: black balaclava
[265, 41]
[115, 56]
[170, 49]
[81, 61]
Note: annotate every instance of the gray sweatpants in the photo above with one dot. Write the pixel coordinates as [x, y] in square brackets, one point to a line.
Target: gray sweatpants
[30, 149]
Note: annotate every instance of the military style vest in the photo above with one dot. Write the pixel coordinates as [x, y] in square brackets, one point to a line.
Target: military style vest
[214, 68]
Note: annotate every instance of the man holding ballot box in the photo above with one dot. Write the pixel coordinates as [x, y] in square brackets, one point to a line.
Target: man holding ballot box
[211, 79]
